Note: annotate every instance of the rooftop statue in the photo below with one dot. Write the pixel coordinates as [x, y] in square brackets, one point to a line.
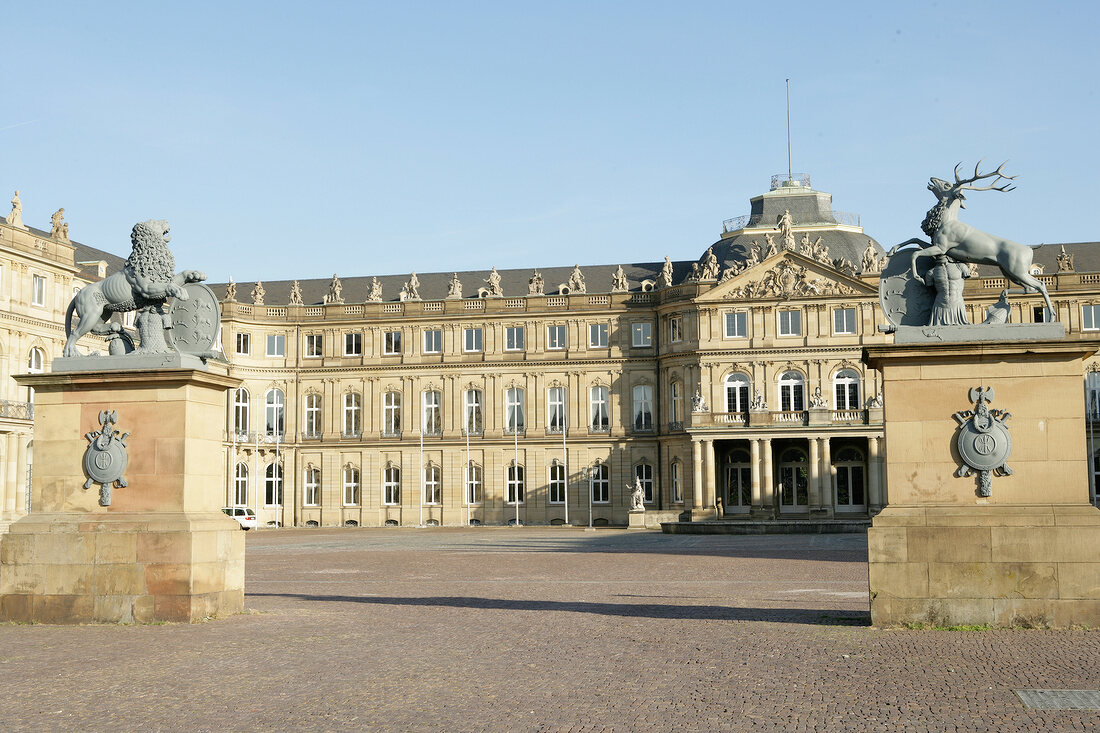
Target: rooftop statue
[375, 294]
[335, 291]
[146, 282]
[59, 229]
[785, 224]
[231, 290]
[923, 287]
[618, 281]
[258, 293]
[536, 285]
[411, 289]
[666, 273]
[15, 218]
[493, 281]
[295, 294]
[454, 288]
[710, 265]
[576, 280]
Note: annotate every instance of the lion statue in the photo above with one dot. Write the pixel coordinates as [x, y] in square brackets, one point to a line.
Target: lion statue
[145, 282]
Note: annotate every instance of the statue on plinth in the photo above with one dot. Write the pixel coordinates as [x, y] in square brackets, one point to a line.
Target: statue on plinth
[296, 294]
[335, 291]
[59, 228]
[375, 294]
[231, 290]
[699, 403]
[710, 265]
[258, 293]
[454, 288]
[493, 281]
[536, 285]
[146, 282]
[666, 273]
[618, 281]
[637, 495]
[785, 224]
[576, 280]
[921, 288]
[15, 218]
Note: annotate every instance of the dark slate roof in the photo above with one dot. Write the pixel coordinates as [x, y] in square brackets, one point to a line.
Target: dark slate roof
[86, 253]
[434, 285]
[1086, 258]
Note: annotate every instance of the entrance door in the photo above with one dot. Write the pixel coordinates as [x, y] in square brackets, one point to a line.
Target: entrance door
[794, 482]
[738, 498]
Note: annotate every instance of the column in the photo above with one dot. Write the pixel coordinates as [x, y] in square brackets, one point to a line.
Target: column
[754, 450]
[708, 483]
[874, 477]
[767, 490]
[7, 491]
[21, 476]
[815, 474]
[697, 474]
[827, 500]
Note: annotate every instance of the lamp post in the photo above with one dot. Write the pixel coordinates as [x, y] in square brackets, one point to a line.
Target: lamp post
[593, 473]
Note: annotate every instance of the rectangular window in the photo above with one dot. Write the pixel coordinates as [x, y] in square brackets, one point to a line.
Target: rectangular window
[643, 407]
[513, 411]
[391, 485]
[312, 494]
[599, 410]
[600, 481]
[514, 479]
[353, 421]
[555, 338]
[736, 325]
[471, 340]
[432, 413]
[473, 483]
[675, 329]
[315, 343]
[244, 344]
[313, 416]
[513, 338]
[433, 485]
[433, 342]
[276, 344]
[38, 293]
[597, 335]
[1090, 317]
[641, 335]
[677, 474]
[557, 483]
[790, 323]
[644, 473]
[391, 345]
[555, 410]
[844, 320]
[1039, 314]
[353, 344]
[351, 486]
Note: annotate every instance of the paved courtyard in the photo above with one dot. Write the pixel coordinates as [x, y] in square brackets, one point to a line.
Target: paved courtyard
[555, 629]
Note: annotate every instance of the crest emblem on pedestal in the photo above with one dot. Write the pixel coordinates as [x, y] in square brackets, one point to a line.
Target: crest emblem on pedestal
[105, 458]
[984, 443]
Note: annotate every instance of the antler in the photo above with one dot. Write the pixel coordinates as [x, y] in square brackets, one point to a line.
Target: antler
[962, 183]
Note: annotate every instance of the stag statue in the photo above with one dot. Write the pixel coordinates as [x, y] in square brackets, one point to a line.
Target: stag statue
[963, 243]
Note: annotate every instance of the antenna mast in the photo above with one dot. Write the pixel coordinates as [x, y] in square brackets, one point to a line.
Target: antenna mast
[790, 172]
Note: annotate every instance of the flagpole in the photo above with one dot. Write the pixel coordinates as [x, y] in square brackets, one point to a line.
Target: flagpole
[515, 436]
[469, 472]
[790, 172]
[564, 450]
[421, 502]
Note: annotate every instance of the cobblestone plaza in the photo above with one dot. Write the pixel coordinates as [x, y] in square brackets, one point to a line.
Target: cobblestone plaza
[552, 629]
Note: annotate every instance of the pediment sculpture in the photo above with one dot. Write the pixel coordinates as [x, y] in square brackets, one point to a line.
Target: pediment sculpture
[788, 280]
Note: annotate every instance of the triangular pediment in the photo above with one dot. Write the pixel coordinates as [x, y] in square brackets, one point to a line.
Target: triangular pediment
[785, 275]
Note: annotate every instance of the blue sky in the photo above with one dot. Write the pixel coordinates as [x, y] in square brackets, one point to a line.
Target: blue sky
[300, 139]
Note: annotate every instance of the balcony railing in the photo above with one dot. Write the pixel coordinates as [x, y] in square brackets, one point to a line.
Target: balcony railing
[311, 435]
[265, 437]
[515, 430]
[730, 418]
[849, 417]
[474, 431]
[554, 430]
[351, 434]
[789, 417]
[675, 426]
[17, 410]
[432, 431]
[599, 428]
[391, 432]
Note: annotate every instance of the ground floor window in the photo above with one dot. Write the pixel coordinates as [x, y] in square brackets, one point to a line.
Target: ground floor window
[676, 471]
[433, 485]
[514, 480]
[391, 485]
[738, 479]
[273, 485]
[600, 480]
[644, 473]
[473, 483]
[850, 478]
[793, 479]
[240, 485]
[557, 483]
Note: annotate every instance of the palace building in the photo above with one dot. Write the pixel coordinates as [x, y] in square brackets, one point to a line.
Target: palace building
[729, 385]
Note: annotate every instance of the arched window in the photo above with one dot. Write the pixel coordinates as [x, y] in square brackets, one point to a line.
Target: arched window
[846, 389]
[391, 485]
[738, 480]
[676, 474]
[312, 484]
[599, 421]
[514, 481]
[555, 410]
[791, 392]
[644, 473]
[313, 416]
[676, 400]
[433, 484]
[274, 413]
[273, 485]
[353, 415]
[850, 481]
[475, 421]
[473, 483]
[513, 411]
[737, 393]
[36, 361]
[793, 479]
[391, 414]
[240, 412]
[351, 486]
[599, 481]
[240, 485]
[432, 417]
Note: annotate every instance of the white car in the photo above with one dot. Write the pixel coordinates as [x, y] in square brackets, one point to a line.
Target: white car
[244, 516]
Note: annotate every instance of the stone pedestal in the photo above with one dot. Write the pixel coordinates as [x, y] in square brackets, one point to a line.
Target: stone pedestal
[636, 519]
[941, 553]
[162, 550]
